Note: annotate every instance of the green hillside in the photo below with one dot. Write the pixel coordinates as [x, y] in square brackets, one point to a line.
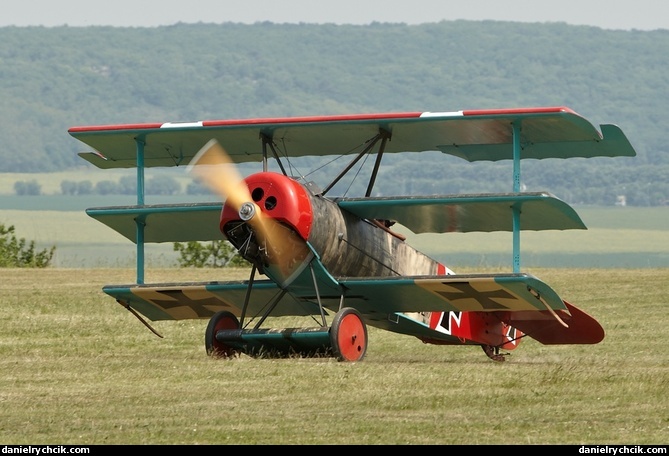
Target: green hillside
[55, 78]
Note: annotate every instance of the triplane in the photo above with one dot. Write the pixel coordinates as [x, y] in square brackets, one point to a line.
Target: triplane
[335, 258]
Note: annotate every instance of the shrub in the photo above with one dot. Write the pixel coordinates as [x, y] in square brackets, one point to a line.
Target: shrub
[196, 254]
[16, 253]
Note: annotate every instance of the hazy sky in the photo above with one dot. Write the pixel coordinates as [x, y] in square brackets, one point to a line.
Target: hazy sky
[608, 14]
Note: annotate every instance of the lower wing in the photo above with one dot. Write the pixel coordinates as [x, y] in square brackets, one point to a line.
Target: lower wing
[520, 300]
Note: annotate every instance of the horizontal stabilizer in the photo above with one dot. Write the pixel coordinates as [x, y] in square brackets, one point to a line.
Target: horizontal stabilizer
[545, 328]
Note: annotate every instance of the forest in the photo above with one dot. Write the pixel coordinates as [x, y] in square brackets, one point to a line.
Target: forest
[53, 78]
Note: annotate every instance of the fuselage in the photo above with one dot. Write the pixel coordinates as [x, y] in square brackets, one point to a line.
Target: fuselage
[347, 245]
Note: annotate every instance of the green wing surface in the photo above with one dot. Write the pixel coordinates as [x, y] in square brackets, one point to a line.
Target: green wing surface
[377, 299]
[165, 222]
[182, 301]
[478, 292]
[552, 132]
[466, 213]
[434, 214]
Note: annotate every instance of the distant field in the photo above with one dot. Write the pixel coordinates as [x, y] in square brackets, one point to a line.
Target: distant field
[617, 237]
[80, 240]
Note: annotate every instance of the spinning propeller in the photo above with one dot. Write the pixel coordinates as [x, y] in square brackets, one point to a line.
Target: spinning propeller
[213, 166]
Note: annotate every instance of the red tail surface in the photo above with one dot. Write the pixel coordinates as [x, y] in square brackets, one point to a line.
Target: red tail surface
[544, 327]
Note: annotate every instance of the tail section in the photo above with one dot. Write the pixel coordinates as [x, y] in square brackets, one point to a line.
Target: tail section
[480, 328]
[544, 327]
[470, 328]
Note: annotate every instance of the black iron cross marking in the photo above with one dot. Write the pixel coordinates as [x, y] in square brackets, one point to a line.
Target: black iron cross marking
[179, 299]
[485, 298]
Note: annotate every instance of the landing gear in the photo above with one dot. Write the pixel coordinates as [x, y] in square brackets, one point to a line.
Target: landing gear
[493, 353]
[345, 340]
[220, 320]
[348, 335]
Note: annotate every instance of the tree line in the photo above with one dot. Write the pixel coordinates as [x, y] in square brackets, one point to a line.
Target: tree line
[164, 185]
[53, 78]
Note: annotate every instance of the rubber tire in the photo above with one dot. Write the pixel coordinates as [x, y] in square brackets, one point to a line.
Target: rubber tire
[348, 335]
[220, 320]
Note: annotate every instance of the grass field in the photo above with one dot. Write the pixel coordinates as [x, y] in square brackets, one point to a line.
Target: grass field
[79, 369]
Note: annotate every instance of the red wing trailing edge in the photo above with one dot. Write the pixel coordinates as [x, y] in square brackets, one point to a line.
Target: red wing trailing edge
[336, 259]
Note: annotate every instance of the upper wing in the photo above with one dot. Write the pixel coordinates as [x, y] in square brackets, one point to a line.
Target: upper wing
[553, 132]
[466, 213]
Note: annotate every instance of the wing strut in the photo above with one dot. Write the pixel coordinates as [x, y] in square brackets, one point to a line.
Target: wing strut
[370, 146]
[139, 317]
[265, 141]
[318, 294]
[248, 295]
[384, 139]
[516, 188]
[140, 202]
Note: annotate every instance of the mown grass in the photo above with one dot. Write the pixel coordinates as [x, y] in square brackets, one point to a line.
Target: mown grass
[79, 369]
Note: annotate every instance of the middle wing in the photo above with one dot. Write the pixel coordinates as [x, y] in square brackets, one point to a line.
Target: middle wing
[467, 213]
[432, 214]
[163, 222]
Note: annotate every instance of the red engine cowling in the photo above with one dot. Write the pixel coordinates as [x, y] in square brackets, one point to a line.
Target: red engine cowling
[278, 196]
[287, 204]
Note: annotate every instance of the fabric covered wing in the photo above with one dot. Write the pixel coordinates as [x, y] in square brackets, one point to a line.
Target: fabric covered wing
[182, 301]
[164, 223]
[376, 298]
[466, 213]
[552, 132]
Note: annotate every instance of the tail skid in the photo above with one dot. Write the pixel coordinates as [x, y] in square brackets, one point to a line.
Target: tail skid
[497, 331]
